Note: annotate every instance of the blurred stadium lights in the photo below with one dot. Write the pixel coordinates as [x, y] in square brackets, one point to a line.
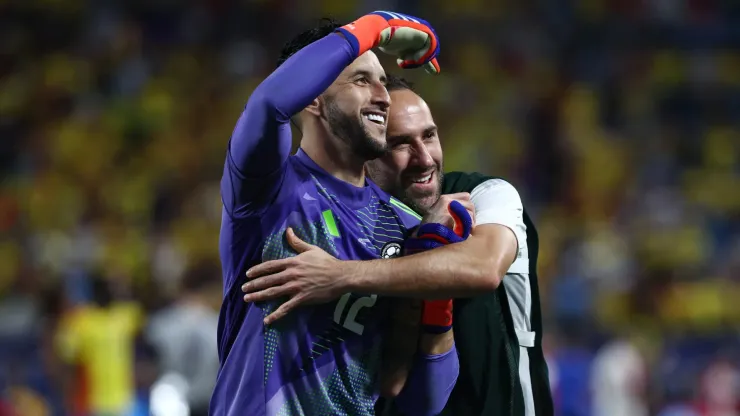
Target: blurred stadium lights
[168, 396]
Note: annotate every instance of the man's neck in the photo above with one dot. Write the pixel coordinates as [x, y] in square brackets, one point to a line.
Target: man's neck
[338, 162]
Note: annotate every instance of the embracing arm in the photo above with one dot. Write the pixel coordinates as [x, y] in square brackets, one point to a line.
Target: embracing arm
[463, 269]
[457, 270]
[470, 267]
[261, 141]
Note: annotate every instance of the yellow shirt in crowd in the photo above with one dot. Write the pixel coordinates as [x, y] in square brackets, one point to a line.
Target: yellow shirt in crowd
[101, 340]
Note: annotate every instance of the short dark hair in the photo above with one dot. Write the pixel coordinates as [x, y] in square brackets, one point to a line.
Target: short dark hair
[396, 83]
[325, 27]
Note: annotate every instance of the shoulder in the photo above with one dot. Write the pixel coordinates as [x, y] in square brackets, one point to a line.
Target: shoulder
[251, 197]
[498, 202]
[485, 189]
[462, 181]
[296, 185]
[75, 319]
[496, 192]
[409, 218]
[127, 314]
[127, 309]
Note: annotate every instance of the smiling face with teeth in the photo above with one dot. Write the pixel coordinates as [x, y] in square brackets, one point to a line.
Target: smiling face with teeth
[354, 109]
[412, 169]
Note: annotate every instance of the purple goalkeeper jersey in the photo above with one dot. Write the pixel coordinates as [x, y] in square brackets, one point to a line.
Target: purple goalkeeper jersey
[319, 360]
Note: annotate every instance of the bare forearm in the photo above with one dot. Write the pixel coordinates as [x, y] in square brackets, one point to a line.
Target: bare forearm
[456, 270]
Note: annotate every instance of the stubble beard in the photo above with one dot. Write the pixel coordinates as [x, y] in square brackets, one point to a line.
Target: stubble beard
[352, 131]
[421, 204]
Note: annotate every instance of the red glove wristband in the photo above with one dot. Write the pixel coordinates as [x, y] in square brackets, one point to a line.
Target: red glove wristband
[436, 315]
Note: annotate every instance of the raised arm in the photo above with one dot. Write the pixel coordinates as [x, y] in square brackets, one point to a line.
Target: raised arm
[261, 141]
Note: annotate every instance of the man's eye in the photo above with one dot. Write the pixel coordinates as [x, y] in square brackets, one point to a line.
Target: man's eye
[362, 81]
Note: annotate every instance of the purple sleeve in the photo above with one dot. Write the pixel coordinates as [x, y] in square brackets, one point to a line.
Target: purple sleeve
[430, 384]
[261, 141]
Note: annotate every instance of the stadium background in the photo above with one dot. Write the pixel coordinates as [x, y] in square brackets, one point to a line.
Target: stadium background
[616, 120]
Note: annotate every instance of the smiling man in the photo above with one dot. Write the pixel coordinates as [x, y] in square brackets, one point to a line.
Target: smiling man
[322, 360]
[498, 327]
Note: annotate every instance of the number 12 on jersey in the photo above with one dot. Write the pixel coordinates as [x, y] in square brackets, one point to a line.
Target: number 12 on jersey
[350, 320]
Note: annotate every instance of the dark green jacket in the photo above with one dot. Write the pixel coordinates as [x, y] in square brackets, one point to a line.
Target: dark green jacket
[487, 345]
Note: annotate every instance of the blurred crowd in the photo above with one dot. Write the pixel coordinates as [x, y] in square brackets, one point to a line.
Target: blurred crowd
[618, 121]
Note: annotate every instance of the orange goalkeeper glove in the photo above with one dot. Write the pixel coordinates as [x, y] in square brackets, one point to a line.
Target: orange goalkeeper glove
[411, 40]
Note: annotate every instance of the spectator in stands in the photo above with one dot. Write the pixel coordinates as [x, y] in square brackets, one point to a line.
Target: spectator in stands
[184, 336]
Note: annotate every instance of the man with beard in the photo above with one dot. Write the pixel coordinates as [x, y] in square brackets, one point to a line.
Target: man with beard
[498, 328]
[322, 360]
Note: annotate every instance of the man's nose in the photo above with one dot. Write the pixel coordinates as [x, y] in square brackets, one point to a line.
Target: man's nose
[380, 97]
[421, 154]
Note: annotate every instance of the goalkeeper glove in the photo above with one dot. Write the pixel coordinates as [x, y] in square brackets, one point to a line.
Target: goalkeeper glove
[411, 40]
[436, 316]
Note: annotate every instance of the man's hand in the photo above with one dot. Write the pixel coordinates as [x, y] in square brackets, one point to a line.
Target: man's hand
[436, 317]
[313, 276]
[410, 39]
[439, 213]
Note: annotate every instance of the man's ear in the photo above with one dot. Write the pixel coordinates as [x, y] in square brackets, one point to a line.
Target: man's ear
[314, 108]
